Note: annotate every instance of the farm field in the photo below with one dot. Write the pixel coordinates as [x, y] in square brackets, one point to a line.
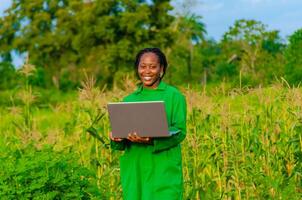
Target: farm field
[240, 144]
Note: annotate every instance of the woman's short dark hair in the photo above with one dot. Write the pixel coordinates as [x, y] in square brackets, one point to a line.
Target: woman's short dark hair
[161, 57]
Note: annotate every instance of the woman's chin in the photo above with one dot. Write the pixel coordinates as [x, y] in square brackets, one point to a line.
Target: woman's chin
[147, 84]
[150, 83]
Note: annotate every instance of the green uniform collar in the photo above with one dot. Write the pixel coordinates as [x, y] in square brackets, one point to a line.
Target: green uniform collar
[162, 86]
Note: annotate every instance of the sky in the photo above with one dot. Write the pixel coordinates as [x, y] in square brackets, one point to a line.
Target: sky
[219, 15]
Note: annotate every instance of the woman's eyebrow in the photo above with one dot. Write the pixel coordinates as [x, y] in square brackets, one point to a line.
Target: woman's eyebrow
[149, 63]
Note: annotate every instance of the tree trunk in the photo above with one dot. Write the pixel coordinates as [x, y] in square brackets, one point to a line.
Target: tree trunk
[190, 62]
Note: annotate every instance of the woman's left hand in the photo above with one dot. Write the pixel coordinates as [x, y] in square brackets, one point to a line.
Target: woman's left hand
[133, 137]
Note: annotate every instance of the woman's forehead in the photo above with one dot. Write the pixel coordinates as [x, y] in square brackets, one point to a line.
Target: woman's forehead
[149, 58]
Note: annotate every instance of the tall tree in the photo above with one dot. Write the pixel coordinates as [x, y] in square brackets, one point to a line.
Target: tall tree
[293, 55]
[251, 43]
[189, 32]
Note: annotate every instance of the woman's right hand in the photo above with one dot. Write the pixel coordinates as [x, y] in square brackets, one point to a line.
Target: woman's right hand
[114, 139]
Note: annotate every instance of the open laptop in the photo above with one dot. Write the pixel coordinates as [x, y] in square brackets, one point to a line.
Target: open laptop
[147, 119]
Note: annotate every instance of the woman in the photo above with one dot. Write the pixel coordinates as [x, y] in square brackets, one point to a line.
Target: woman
[151, 168]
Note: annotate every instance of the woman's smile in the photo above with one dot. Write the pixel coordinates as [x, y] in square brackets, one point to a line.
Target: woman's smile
[147, 78]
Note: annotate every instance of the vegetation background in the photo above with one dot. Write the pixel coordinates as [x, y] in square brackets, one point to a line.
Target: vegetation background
[244, 99]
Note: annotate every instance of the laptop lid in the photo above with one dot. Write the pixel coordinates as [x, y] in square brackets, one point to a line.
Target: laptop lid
[147, 119]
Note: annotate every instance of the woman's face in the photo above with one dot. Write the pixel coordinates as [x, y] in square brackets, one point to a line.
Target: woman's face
[149, 70]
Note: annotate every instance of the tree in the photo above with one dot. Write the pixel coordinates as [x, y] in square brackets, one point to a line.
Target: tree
[100, 36]
[211, 55]
[189, 32]
[251, 43]
[293, 56]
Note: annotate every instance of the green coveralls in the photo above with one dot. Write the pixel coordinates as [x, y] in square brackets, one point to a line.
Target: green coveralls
[154, 171]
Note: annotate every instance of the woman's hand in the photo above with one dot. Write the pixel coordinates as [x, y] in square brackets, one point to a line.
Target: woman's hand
[133, 137]
[115, 139]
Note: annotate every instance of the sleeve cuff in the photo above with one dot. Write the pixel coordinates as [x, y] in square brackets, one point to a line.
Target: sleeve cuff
[117, 145]
[161, 144]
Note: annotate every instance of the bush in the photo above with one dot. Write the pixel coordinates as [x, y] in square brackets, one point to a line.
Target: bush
[44, 174]
[38, 78]
[226, 70]
[7, 75]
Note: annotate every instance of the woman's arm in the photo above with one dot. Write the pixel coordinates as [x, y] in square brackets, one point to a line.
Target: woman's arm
[178, 126]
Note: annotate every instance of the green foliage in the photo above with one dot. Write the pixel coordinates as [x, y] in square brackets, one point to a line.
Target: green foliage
[8, 75]
[238, 146]
[67, 81]
[257, 50]
[189, 32]
[226, 70]
[250, 31]
[44, 174]
[100, 36]
[38, 78]
[273, 43]
[293, 56]
[68, 39]
[241, 144]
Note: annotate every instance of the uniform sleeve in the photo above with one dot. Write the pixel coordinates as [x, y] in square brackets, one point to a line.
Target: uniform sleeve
[179, 113]
[118, 145]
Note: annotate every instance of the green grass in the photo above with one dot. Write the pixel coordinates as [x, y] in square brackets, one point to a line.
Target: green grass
[241, 143]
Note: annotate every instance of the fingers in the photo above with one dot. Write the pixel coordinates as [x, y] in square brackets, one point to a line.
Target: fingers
[133, 137]
[117, 139]
[145, 139]
[114, 139]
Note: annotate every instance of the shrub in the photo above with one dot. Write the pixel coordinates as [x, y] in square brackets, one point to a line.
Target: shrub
[7, 75]
[44, 174]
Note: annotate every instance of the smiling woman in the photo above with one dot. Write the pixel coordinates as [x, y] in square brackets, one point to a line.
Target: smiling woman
[151, 168]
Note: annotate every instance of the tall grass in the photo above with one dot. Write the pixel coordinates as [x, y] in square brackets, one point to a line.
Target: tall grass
[240, 144]
[245, 146]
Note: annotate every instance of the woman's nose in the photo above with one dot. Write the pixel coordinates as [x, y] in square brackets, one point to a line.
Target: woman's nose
[148, 69]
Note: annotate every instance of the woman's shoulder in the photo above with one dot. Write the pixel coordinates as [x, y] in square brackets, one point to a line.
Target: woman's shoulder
[175, 94]
[174, 90]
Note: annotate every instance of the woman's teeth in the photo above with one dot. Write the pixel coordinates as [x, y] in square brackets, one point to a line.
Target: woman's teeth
[147, 78]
